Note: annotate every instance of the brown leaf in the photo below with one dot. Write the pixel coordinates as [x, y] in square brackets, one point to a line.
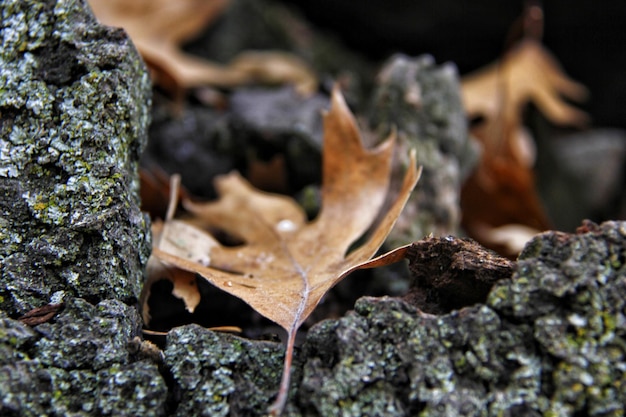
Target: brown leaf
[287, 264]
[176, 236]
[502, 189]
[41, 314]
[184, 286]
[528, 73]
[159, 27]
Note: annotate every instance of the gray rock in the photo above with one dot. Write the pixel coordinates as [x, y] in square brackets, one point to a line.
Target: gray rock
[78, 365]
[259, 124]
[283, 122]
[87, 336]
[14, 335]
[197, 144]
[550, 341]
[422, 102]
[388, 359]
[220, 375]
[74, 105]
[571, 288]
[581, 175]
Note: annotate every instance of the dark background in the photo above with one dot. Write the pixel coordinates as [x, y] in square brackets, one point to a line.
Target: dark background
[587, 37]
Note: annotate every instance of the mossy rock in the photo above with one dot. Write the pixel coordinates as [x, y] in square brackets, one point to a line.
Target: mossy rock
[74, 102]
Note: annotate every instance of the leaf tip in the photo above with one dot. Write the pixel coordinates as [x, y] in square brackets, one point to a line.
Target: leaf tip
[337, 101]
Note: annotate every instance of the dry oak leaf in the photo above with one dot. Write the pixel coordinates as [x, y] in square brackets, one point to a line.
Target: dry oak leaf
[502, 190]
[179, 235]
[183, 281]
[159, 27]
[499, 93]
[287, 264]
[527, 73]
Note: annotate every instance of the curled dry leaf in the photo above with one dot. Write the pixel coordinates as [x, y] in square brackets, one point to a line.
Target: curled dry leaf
[183, 237]
[287, 264]
[41, 314]
[502, 189]
[527, 73]
[159, 27]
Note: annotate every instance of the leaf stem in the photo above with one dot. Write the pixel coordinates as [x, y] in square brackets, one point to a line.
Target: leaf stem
[277, 407]
[173, 202]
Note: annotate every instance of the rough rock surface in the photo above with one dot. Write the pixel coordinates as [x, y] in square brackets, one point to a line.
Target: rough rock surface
[571, 289]
[422, 102]
[79, 365]
[550, 341]
[70, 138]
[220, 375]
[449, 273]
[74, 106]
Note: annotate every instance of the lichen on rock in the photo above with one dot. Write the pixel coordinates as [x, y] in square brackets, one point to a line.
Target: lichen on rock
[549, 341]
[421, 102]
[74, 110]
[74, 101]
[78, 365]
[572, 286]
[388, 359]
[219, 374]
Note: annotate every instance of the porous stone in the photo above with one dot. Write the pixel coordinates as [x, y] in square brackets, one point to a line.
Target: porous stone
[550, 341]
[196, 144]
[281, 122]
[421, 101]
[79, 364]
[388, 359]
[571, 288]
[14, 335]
[221, 375]
[74, 106]
[87, 336]
[260, 124]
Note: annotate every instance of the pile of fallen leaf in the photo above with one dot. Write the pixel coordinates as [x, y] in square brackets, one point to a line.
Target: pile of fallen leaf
[260, 247]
